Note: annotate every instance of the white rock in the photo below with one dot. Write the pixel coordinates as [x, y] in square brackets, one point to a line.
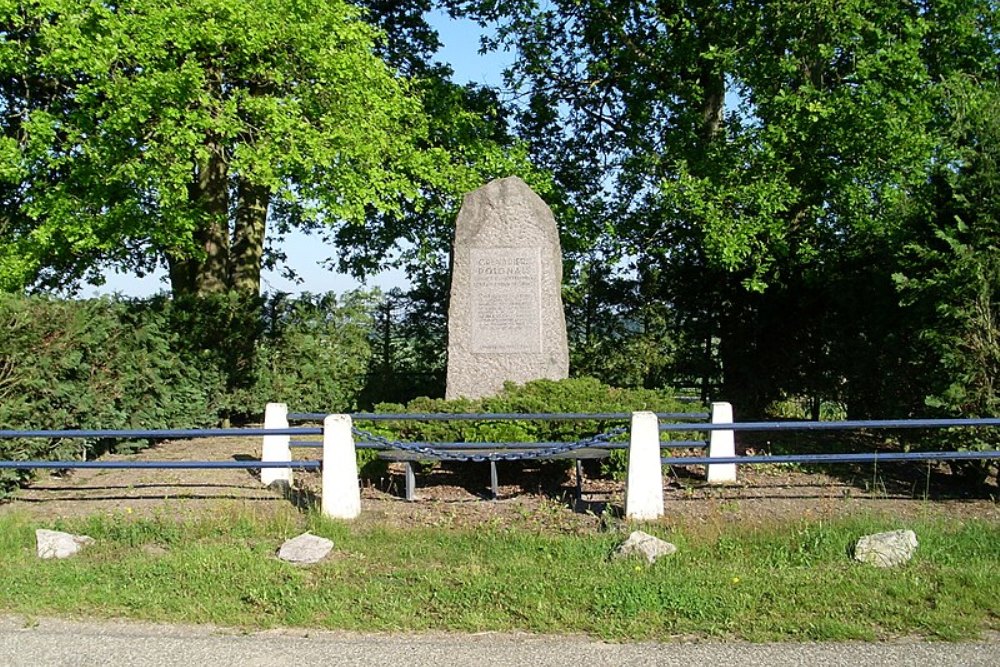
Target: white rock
[305, 549]
[645, 546]
[886, 549]
[54, 544]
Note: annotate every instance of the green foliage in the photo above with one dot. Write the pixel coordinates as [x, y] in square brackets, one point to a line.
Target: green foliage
[577, 395]
[119, 364]
[99, 364]
[755, 172]
[129, 127]
[616, 332]
[949, 277]
[310, 351]
[313, 353]
[409, 345]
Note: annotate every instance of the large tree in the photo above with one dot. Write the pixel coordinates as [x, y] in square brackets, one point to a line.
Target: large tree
[144, 132]
[752, 159]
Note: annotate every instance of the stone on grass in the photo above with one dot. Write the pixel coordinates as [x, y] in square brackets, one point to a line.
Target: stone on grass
[644, 545]
[55, 544]
[886, 549]
[305, 549]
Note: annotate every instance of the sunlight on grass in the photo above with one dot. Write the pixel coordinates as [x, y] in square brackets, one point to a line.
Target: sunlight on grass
[790, 581]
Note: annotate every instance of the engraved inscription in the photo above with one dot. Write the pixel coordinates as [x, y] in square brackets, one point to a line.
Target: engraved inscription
[506, 300]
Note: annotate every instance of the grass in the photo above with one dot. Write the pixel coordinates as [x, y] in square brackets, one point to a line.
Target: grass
[783, 582]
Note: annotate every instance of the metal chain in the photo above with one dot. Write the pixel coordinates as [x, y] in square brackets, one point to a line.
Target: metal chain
[601, 438]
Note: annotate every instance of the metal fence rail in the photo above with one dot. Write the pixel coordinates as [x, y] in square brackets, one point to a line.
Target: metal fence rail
[160, 465]
[722, 459]
[839, 426]
[861, 457]
[502, 416]
[598, 446]
[340, 439]
[160, 434]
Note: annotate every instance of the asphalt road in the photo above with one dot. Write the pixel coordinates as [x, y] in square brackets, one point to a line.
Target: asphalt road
[46, 642]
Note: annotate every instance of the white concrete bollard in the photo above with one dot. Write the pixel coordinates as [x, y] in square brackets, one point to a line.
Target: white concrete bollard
[276, 447]
[341, 494]
[721, 444]
[644, 482]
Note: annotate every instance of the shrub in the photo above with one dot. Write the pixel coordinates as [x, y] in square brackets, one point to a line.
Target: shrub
[577, 395]
[314, 352]
[94, 364]
[115, 363]
[311, 351]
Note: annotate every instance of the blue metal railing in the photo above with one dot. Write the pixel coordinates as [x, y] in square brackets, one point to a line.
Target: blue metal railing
[495, 416]
[505, 416]
[866, 457]
[161, 465]
[839, 426]
[687, 423]
[158, 434]
[847, 425]
[487, 446]
[502, 416]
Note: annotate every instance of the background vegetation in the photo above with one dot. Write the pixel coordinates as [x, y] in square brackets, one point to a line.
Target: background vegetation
[784, 204]
[149, 364]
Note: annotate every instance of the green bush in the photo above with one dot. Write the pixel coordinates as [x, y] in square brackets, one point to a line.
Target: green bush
[577, 395]
[115, 363]
[95, 364]
[310, 351]
[313, 353]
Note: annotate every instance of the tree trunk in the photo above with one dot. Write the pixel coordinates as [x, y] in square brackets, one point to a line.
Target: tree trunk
[208, 192]
[182, 272]
[212, 194]
[248, 237]
[713, 86]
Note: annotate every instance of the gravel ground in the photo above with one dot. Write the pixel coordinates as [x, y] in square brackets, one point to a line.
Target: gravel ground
[530, 495]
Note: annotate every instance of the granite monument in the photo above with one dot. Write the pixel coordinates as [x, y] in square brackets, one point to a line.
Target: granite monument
[505, 318]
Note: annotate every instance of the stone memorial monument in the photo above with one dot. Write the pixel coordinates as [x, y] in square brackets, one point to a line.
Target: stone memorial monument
[505, 319]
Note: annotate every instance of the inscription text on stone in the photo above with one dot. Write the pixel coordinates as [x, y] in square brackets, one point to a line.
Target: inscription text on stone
[506, 300]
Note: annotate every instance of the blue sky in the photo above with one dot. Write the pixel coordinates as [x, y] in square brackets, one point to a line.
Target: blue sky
[461, 46]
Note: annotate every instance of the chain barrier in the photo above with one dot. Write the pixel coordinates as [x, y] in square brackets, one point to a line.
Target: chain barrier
[599, 439]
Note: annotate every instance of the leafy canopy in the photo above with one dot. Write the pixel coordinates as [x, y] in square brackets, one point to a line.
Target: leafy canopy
[109, 109]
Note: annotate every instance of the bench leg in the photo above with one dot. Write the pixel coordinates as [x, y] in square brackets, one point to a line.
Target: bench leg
[493, 480]
[411, 482]
[579, 480]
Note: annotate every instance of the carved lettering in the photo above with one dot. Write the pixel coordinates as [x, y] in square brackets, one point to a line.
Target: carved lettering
[506, 300]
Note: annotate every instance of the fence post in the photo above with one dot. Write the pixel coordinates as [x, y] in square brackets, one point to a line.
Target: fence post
[341, 494]
[722, 444]
[276, 447]
[644, 481]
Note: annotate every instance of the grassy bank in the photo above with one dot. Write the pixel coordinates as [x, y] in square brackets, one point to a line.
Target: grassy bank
[793, 581]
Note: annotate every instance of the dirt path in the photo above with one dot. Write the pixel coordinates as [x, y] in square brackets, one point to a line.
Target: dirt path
[455, 495]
